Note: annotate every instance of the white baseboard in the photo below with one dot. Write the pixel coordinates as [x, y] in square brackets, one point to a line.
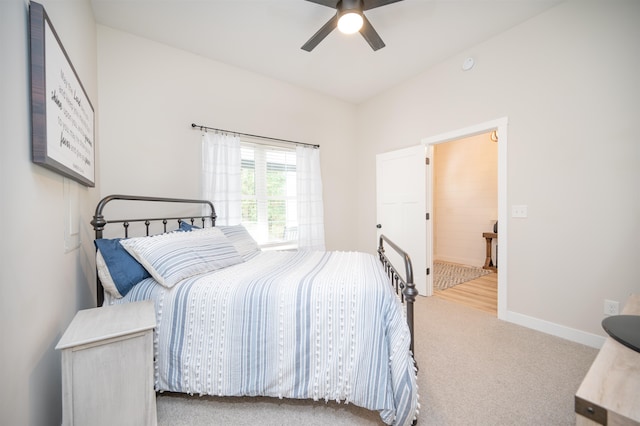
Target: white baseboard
[568, 333]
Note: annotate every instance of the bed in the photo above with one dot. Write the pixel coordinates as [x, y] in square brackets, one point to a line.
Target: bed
[233, 320]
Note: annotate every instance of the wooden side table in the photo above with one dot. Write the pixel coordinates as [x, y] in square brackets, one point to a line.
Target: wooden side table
[610, 392]
[107, 366]
[488, 263]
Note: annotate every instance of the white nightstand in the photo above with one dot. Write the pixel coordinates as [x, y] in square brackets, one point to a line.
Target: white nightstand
[107, 366]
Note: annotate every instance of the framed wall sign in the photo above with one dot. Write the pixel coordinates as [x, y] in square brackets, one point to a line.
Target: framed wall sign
[62, 117]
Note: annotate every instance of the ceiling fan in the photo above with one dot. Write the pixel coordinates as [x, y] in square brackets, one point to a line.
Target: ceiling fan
[349, 19]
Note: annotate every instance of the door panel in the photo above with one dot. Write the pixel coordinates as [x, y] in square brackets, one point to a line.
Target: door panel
[401, 207]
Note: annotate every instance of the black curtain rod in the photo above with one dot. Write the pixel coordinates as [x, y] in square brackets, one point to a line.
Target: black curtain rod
[198, 126]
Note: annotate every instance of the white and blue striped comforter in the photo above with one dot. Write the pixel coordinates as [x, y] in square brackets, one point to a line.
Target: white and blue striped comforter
[317, 325]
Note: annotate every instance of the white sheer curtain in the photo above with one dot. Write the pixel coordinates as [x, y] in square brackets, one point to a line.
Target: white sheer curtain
[221, 179]
[310, 208]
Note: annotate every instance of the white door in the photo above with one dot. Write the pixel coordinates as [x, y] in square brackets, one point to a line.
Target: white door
[401, 185]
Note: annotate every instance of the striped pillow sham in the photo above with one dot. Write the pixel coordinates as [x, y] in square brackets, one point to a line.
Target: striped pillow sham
[241, 240]
[172, 257]
[238, 236]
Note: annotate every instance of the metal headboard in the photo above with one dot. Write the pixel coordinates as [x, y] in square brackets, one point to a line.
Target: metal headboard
[99, 222]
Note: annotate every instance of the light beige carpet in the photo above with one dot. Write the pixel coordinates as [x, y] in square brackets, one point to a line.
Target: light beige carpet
[474, 370]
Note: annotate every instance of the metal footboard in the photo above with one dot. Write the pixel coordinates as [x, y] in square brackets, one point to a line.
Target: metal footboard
[406, 288]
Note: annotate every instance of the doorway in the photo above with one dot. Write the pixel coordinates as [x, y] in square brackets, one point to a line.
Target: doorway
[465, 212]
[500, 127]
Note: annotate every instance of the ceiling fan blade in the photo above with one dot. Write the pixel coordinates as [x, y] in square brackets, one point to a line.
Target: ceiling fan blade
[371, 35]
[372, 4]
[329, 3]
[321, 34]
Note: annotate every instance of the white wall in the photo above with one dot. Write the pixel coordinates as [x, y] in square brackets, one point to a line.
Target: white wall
[465, 198]
[568, 82]
[151, 93]
[42, 285]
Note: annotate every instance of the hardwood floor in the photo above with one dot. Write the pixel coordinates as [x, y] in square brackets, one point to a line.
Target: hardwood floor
[481, 293]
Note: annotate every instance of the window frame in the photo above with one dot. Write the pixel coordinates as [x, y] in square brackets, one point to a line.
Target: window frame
[261, 228]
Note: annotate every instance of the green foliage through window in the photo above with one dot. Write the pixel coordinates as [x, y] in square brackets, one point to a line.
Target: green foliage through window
[269, 206]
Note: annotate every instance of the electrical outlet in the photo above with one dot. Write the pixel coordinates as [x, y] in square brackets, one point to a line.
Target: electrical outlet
[611, 307]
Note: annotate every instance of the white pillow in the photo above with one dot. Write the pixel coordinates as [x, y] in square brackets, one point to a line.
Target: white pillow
[172, 257]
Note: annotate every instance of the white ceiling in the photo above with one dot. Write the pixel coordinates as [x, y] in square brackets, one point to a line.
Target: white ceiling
[265, 36]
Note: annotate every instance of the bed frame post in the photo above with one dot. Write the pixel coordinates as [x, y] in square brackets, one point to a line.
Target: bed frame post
[98, 224]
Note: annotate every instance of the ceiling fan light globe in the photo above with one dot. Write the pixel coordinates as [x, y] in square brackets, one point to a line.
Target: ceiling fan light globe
[350, 23]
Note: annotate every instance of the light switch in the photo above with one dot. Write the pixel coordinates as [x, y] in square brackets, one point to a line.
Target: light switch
[519, 211]
[71, 194]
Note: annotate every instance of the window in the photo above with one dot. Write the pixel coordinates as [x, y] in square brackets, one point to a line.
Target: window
[269, 203]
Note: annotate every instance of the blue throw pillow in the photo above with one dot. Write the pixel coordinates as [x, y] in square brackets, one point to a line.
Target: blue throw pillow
[184, 226]
[125, 272]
